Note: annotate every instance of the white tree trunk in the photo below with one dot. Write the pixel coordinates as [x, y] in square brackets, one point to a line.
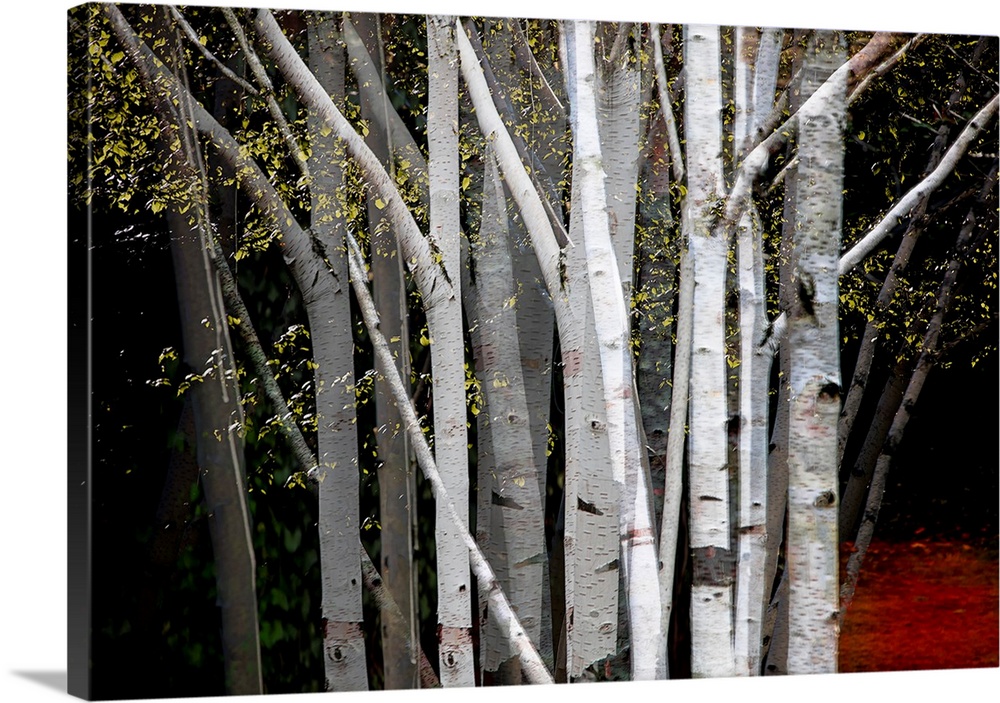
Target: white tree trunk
[543, 122]
[814, 375]
[444, 323]
[765, 77]
[755, 372]
[500, 608]
[510, 494]
[397, 482]
[712, 557]
[638, 553]
[591, 495]
[328, 307]
[663, 92]
[754, 377]
[434, 286]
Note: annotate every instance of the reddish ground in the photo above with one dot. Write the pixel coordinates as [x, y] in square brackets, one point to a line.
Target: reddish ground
[923, 605]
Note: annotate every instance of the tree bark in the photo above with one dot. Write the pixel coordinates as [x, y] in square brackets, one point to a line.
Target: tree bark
[814, 374]
[444, 323]
[218, 415]
[710, 543]
[510, 493]
[397, 482]
[531, 664]
[328, 308]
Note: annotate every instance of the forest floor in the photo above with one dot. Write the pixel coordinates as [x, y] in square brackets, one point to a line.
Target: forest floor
[923, 605]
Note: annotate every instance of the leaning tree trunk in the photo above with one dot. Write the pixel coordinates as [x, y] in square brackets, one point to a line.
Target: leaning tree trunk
[534, 318]
[929, 349]
[590, 495]
[814, 375]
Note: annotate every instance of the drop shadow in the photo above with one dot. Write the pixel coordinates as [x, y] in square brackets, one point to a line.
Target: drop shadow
[56, 680]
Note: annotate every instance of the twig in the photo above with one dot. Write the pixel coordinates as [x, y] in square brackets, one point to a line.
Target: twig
[193, 36]
[272, 105]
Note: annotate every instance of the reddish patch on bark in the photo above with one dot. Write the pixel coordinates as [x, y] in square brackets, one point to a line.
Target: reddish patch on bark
[922, 605]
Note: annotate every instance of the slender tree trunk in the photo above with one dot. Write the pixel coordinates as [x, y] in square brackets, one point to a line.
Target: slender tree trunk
[444, 322]
[589, 578]
[863, 467]
[755, 373]
[328, 307]
[397, 482]
[712, 555]
[540, 121]
[814, 376]
[928, 357]
[299, 252]
[591, 496]
[516, 534]
[531, 664]
[638, 555]
[804, 85]
[754, 377]
[866, 352]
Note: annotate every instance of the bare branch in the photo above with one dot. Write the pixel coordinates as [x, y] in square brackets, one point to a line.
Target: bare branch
[272, 105]
[927, 186]
[663, 89]
[193, 36]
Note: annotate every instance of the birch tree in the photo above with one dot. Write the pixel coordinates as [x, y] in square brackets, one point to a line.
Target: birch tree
[712, 563]
[814, 377]
[522, 182]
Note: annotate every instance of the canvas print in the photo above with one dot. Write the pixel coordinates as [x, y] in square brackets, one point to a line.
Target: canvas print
[429, 351]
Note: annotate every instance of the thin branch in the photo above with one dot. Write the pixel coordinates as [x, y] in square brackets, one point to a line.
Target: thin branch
[158, 75]
[306, 459]
[978, 71]
[272, 104]
[881, 230]
[756, 162]
[927, 186]
[417, 250]
[522, 188]
[193, 36]
[533, 166]
[885, 67]
[618, 47]
[663, 89]
[526, 57]
[928, 357]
